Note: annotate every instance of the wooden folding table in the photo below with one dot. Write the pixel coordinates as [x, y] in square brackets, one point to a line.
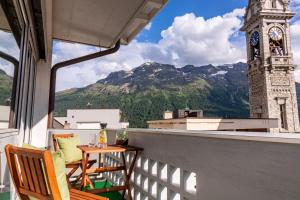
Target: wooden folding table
[87, 150]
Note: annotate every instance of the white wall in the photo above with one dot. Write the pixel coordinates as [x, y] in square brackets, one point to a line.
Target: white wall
[4, 125]
[87, 118]
[40, 120]
[88, 125]
[232, 167]
[222, 165]
[40, 116]
[4, 116]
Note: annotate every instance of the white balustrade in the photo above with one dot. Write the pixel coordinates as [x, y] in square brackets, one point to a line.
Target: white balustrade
[187, 165]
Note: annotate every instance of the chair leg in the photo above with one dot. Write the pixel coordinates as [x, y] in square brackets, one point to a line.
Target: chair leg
[80, 175]
[72, 172]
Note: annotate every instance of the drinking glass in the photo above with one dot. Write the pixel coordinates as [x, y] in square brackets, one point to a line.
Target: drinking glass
[92, 140]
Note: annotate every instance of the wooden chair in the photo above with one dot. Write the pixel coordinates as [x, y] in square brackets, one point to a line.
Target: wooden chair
[33, 175]
[73, 165]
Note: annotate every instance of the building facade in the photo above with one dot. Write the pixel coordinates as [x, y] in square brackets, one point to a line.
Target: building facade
[91, 118]
[272, 91]
[216, 124]
[4, 117]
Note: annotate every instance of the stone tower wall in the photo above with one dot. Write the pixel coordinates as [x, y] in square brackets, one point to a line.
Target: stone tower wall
[272, 92]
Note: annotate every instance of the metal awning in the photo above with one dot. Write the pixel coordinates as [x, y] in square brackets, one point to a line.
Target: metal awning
[102, 22]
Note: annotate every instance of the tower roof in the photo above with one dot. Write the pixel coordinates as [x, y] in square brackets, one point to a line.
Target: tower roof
[269, 9]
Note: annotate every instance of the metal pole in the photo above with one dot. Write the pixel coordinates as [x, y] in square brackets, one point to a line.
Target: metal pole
[65, 64]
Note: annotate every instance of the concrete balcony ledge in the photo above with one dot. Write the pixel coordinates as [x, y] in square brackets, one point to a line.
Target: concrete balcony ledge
[288, 138]
[179, 164]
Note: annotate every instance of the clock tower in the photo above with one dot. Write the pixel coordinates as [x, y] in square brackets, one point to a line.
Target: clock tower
[272, 91]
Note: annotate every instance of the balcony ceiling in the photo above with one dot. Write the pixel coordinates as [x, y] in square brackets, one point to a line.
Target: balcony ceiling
[102, 22]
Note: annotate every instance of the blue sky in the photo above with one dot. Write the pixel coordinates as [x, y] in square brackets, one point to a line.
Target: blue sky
[197, 32]
[156, 43]
[174, 8]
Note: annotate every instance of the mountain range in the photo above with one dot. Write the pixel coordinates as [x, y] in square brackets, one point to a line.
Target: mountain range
[145, 92]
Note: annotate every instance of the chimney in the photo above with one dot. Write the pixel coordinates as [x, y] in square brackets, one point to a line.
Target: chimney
[168, 114]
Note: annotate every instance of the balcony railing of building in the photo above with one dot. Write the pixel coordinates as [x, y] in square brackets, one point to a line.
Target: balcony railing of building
[7, 136]
[181, 164]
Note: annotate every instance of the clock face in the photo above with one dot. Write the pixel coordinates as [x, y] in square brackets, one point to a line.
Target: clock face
[254, 40]
[275, 33]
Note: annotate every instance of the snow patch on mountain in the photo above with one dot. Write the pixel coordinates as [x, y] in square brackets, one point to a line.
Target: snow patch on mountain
[157, 70]
[229, 66]
[222, 72]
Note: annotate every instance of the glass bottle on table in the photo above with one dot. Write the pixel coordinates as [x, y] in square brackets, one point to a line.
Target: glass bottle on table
[103, 136]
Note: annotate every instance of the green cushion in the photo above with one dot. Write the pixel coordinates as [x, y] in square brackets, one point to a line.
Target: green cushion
[69, 148]
[59, 168]
[29, 146]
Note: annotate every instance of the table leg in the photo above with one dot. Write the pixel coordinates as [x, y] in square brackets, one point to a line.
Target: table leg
[133, 163]
[87, 176]
[127, 183]
[100, 163]
[128, 174]
[84, 166]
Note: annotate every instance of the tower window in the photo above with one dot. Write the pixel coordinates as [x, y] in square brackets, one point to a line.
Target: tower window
[283, 116]
[259, 115]
[274, 4]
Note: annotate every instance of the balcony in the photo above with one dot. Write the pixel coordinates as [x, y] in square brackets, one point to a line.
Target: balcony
[281, 61]
[178, 164]
[185, 165]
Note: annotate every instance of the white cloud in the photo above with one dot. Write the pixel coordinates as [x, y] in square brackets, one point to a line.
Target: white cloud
[295, 4]
[8, 45]
[194, 40]
[295, 7]
[148, 27]
[89, 72]
[295, 34]
[189, 40]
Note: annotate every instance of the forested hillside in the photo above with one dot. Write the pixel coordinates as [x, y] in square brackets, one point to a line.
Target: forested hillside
[146, 91]
[5, 87]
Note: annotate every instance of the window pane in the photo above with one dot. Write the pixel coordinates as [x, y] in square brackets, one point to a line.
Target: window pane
[8, 48]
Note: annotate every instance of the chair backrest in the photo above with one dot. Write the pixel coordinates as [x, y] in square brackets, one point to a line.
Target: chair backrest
[32, 173]
[55, 136]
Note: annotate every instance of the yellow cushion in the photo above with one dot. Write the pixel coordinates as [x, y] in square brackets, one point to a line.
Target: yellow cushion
[69, 148]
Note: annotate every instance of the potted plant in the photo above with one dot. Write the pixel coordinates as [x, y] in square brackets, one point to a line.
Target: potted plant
[122, 137]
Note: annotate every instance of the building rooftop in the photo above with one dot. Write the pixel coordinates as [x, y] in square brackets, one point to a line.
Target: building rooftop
[214, 124]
